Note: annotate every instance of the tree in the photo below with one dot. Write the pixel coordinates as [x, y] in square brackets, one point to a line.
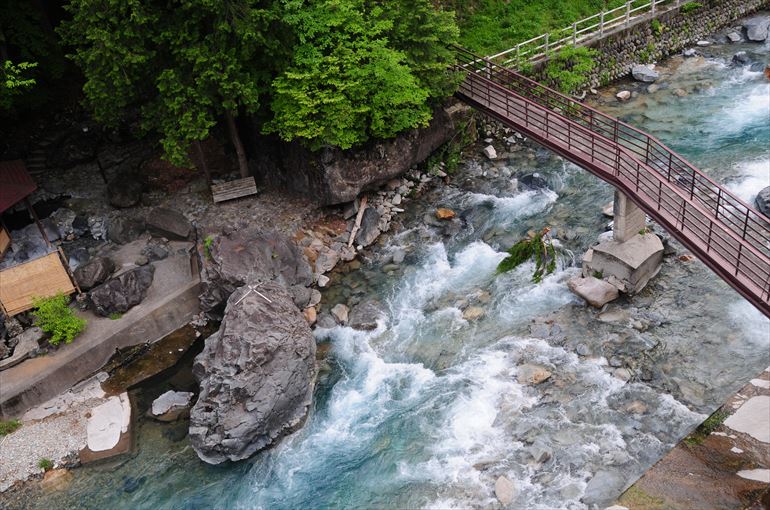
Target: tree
[361, 69]
[183, 66]
[13, 81]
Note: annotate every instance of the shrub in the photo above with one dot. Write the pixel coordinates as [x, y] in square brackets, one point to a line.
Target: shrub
[9, 426]
[207, 246]
[657, 27]
[690, 7]
[45, 464]
[570, 68]
[57, 319]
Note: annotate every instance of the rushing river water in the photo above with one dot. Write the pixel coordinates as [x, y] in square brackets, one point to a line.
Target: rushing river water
[427, 412]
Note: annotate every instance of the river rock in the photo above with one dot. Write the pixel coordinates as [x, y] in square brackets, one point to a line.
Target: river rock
[156, 249]
[505, 491]
[442, 213]
[473, 313]
[256, 376]
[340, 313]
[623, 95]
[734, 37]
[763, 201]
[595, 291]
[690, 52]
[741, 58]
[124, 190]
[123, 230]
[603, 488]
[533, 181]
[250, 256]
[120, 294]
[325, 321]
[364, 315]
[757, 28]
[94, 272]
[56, 480]
[326, 260]
[370, 227]
[644, 73]
[171, 405]
[490, 152]
[532, 374]
[169, 223]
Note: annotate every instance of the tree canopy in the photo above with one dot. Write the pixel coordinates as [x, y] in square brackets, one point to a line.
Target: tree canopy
[326, 72]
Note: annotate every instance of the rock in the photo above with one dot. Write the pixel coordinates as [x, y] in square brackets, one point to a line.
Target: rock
[623, 95]
[63, 220]
[734, 37]
[323, 280]
[616, 507]
[168, 223]
[399, 254]
[595, 291]
[680, 92]
[490, 152]
[741, 58]
[340, 313]
[703, 43]
[473, 313]
[636, 407]
[690, 52]
[94, 272]
[766, 72]
[123, 230]
[396, 200]
[141, 260]
[442, 213]
[56, 480]
[122, 293]
[609, 210]
[125, 190]
[651, 89]
[310, 314]
[315, 297]
[78, 145]
[582, 350]
[505, 491]
[763, 201]
[256, 376]
[532, 374]
[326, 321]
[757, 28]
[27, 343]
[370, 229]
[155, 250]
[644, 73]
[603, 487]
[533, 181]
[108, 422]
[171, 406]
[326, 261]
[250, 256]
[364, 315]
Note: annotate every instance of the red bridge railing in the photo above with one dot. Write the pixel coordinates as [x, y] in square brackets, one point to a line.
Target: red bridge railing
[727, 234]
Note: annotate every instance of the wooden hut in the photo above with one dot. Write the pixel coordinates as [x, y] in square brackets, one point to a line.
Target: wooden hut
[41, 277]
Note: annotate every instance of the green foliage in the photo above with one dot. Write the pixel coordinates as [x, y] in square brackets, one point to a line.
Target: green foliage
[657, 27]
[539, 248]
[13, 81]
[706, 428]
[451, 152]
[361, 69]
[569, 69]
[207, 246]
[690, 7]
[57, 319]
[9, 426]
[646, 55]
[114, 316]
[45, 464]
[598, 275]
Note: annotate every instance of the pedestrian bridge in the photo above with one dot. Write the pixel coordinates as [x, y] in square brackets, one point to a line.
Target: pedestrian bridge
[725, 233]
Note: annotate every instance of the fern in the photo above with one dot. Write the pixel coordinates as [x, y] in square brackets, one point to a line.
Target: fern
[538, 247]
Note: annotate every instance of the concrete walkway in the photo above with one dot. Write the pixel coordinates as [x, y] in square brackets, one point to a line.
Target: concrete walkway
[171, 302]
[725, 466]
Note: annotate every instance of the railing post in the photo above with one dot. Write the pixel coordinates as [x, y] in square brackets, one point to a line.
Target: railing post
[745, 225]
[652, 7]
[574, 34]
[628, 12]
[518, 55]
[601, 25]
[546, 45]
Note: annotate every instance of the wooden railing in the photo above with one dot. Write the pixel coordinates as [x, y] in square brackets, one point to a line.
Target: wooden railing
[543, 46]
[727, 234]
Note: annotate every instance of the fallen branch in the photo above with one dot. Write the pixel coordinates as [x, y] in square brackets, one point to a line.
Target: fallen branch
[357, 225]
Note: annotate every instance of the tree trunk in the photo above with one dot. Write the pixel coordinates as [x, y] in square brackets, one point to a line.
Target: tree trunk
[202, 161]
[236, 139]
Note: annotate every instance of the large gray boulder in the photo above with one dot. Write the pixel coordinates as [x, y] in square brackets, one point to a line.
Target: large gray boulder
[122, 293]
[123, 229]
[248, 255]
[370, 227]
[644, 73]
[757, 28]
[763, 201]
[168, 223]
[256, 376]
[94, 272]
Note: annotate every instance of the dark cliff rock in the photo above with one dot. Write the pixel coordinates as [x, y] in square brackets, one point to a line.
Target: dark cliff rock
[334, 176]
[256, 376]
[120, 294]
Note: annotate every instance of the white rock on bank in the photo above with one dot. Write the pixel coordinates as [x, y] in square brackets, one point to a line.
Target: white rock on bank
[623, 95]
[490, 152]
[753, 418]
[595, 291]
[340, 312]
[171, 405]
[107, 422]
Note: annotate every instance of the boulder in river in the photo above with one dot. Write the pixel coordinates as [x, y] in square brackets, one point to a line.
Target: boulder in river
[370, 229]
[256, 376]
[757, 28]
[741, 58]
[644, 73]
[122, 293]
[595, 291]
[763, 201]
[365, 315]
[171, 405]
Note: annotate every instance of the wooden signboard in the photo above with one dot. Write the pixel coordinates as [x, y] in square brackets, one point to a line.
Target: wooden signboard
[234, 189]
[39, 278]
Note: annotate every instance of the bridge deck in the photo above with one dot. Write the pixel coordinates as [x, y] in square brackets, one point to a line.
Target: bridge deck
[725, 233]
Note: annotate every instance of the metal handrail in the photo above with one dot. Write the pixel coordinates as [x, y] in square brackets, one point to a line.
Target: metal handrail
[708, 223]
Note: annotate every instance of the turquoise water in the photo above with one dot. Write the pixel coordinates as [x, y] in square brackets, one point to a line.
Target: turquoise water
[426, 411]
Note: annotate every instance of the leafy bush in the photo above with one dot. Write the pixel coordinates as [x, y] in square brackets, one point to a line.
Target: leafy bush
[657, 27]
[569, 69]
[207, 246]
[57, 319]
[538, 247]
[690, 7]
[9, 426]
[45, 464]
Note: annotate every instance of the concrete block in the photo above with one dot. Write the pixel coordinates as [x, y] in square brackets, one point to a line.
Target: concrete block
[628, 265]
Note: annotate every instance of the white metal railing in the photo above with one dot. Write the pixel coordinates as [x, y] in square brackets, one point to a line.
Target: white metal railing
[545, 45]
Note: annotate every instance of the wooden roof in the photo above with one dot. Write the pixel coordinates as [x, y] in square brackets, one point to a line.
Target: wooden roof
[15, 183]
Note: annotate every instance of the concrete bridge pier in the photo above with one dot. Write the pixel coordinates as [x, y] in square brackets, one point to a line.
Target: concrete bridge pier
[632, 256]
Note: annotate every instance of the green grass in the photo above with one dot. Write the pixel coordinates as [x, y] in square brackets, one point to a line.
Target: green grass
[45, 464]
[491, 26]
[706, 428]
[116, 316]
[9, 426]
